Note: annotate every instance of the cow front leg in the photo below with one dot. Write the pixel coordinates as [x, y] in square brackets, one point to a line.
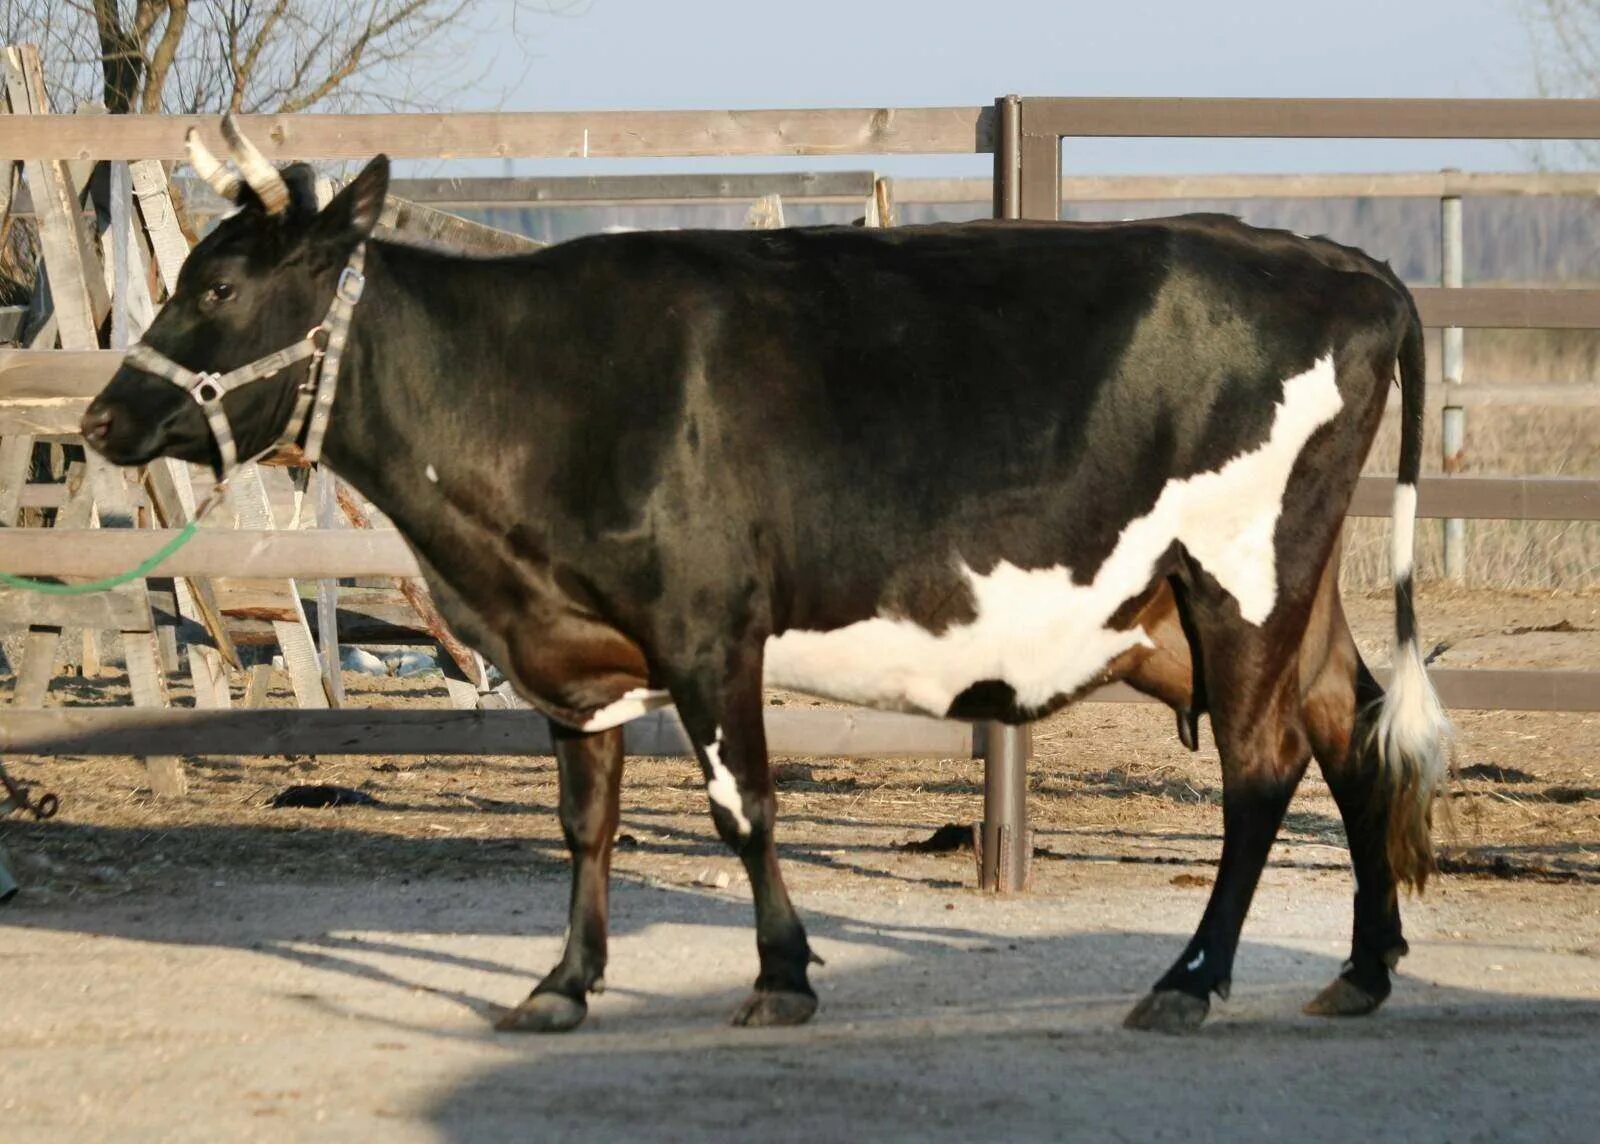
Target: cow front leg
[591, 777]
[722, 713]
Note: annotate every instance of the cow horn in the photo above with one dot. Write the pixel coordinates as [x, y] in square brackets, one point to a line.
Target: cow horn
[262, 176]
[210, 168]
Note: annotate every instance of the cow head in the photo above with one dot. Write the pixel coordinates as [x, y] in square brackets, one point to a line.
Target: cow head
[257, 284]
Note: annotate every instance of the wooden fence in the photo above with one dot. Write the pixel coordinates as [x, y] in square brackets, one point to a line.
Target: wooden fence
[42, 392]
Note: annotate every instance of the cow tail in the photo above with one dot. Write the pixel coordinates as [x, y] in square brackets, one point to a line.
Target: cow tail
[1411, 733]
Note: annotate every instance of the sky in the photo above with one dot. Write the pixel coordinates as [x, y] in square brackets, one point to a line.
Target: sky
[656, 54]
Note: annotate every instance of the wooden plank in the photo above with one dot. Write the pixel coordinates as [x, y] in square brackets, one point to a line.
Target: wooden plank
[60, 416]
[16, 459]
[478, 192]
[328, 518]
[1481, 307]
[257, 685]
[312, 555]
[47, 640]
[149, 688]
[1039, 177]
[173, 499]
[414, 222]
[131, 313]
[826, 733]
[437, 731]
[40, 650]
[11, 317]
[267, 553]
[79, 298]
[209, 677]
[1468, 689]
[637, 190]
[1503, 689]
[1486, 498]
[101, 611]
[1136, 117]
[1503, 395]
[133, 308]
[366, 616]
[57, 373]
[171, 490]
[28, 374]
[140, 649]
[43, 417]
[1159, 188]
[495, 135]
[160, 218]
[294, 636]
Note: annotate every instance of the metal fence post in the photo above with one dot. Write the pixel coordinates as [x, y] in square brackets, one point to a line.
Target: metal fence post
[1003, 842]
[1455, 417]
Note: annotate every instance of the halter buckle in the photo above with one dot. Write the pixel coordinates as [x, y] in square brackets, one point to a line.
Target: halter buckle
[351, 283]
[208, 388]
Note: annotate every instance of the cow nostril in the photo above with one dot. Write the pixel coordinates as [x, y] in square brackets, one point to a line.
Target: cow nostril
[96, 424]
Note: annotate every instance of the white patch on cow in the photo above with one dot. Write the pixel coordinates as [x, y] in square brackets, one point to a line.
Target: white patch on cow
[722, 788]
[431, 473]
[1199, 960]
[1045, 635]
[1402, 538]
[632, 704]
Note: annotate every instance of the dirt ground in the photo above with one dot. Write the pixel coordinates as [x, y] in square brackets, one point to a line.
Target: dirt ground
[213, 968]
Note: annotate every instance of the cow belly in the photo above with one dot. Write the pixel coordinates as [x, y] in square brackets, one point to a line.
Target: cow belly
[1036, 632]
[1044, 635]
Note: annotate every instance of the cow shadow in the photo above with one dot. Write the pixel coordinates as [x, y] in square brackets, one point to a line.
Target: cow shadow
[948, 1015]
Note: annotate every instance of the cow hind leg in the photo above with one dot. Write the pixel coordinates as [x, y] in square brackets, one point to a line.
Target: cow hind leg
[1265, 749]
[590, 767]
[722, 713]
[1337, 716]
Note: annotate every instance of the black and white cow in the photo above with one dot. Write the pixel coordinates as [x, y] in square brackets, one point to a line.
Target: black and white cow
[971, 471]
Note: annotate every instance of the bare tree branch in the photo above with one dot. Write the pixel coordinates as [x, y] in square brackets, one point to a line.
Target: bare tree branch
[166, 51]
[266, 55]
[1565, 39]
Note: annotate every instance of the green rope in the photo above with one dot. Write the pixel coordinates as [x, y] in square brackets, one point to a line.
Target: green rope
[144, 569]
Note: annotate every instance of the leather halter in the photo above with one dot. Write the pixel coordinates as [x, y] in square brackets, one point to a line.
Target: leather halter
[323, 344]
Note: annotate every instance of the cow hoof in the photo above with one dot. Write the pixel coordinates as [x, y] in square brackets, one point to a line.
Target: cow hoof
[544, 1013]
[764, 1008]
[1343, 998]
[1168, 1011]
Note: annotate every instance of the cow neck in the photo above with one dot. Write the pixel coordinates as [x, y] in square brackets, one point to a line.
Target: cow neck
[381, 432]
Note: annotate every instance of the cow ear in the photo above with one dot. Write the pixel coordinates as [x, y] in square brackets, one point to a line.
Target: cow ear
[354, 211]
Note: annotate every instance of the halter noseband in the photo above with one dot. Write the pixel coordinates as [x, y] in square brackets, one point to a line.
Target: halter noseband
[323, 344]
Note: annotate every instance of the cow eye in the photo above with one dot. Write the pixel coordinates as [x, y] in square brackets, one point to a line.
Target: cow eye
[219, 292]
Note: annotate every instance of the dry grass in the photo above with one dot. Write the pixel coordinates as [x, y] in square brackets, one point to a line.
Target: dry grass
[1518, 440]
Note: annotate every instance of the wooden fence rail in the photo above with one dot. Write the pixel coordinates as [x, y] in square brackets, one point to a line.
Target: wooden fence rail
[312, 555]
[819, 733]
[127, 731]
[496, 135]
[526, 191]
